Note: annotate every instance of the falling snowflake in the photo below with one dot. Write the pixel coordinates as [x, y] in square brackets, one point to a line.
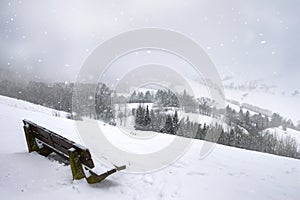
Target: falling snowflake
[263, 42]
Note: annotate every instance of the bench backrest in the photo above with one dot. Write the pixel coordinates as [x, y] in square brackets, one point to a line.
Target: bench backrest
[58, 143]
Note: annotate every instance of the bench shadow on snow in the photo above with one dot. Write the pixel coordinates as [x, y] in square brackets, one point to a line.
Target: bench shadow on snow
[105, 184]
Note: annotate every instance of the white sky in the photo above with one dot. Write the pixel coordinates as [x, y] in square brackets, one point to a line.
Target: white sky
[248, 40]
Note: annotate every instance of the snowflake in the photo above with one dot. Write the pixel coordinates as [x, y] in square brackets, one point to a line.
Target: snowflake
[263, 42]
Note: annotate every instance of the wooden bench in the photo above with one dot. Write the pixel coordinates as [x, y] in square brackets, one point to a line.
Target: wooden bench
[45, 142]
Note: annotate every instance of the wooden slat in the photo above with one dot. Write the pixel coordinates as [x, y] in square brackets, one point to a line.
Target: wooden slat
[58, 143]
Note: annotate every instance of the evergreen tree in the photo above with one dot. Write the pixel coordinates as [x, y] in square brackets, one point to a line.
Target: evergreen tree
[231, 138]
[181, 128]
[139, 116]
[148, 97]
[154, 122]
[121, 116]
[276, 120]
[147, 119]
[241, 117]
[175, 121]
[133, 97]
[169, 125]
[199, 134]
[247, 117]
[103, 105]
[140, 97]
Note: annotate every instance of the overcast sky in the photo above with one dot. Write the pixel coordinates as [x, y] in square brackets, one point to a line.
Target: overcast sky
[248, 40]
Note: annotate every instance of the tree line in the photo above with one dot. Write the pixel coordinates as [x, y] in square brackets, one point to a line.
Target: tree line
[97, 104]
[166, 98]
[251, 137]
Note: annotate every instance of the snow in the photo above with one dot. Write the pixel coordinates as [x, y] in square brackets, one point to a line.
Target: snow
[263, 42]
[279, 132]
[132, 144]
[136, 105]
[195, 117]
[238, 108]
[31, 107]
[286, 106]
[227, 173]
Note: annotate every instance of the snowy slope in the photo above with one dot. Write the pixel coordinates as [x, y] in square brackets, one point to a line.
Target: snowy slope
[227, 173]
[279, 132]
[286, 106]
[30, 106]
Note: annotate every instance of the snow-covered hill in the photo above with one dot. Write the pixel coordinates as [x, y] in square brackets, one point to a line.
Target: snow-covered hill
[286, 106]
[227, 173]
[279, 132]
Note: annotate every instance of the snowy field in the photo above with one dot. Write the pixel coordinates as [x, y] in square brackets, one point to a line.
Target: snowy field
[286, 106]
[227, 173]
[279, 132]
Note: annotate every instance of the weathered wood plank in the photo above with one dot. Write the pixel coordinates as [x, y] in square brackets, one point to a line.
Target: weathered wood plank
[58, 143]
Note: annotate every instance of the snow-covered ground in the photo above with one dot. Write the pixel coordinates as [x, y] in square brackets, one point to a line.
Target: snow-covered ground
[227, 173]
[286, 106]
[30, 106]
[279, 132]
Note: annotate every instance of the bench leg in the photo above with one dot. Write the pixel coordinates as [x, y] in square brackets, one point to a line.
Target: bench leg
[33, 146]
[95, 178]
[78, 173]
[31, 142]
[75, 164]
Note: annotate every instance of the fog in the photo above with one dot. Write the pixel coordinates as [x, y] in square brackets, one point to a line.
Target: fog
[247, 40]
